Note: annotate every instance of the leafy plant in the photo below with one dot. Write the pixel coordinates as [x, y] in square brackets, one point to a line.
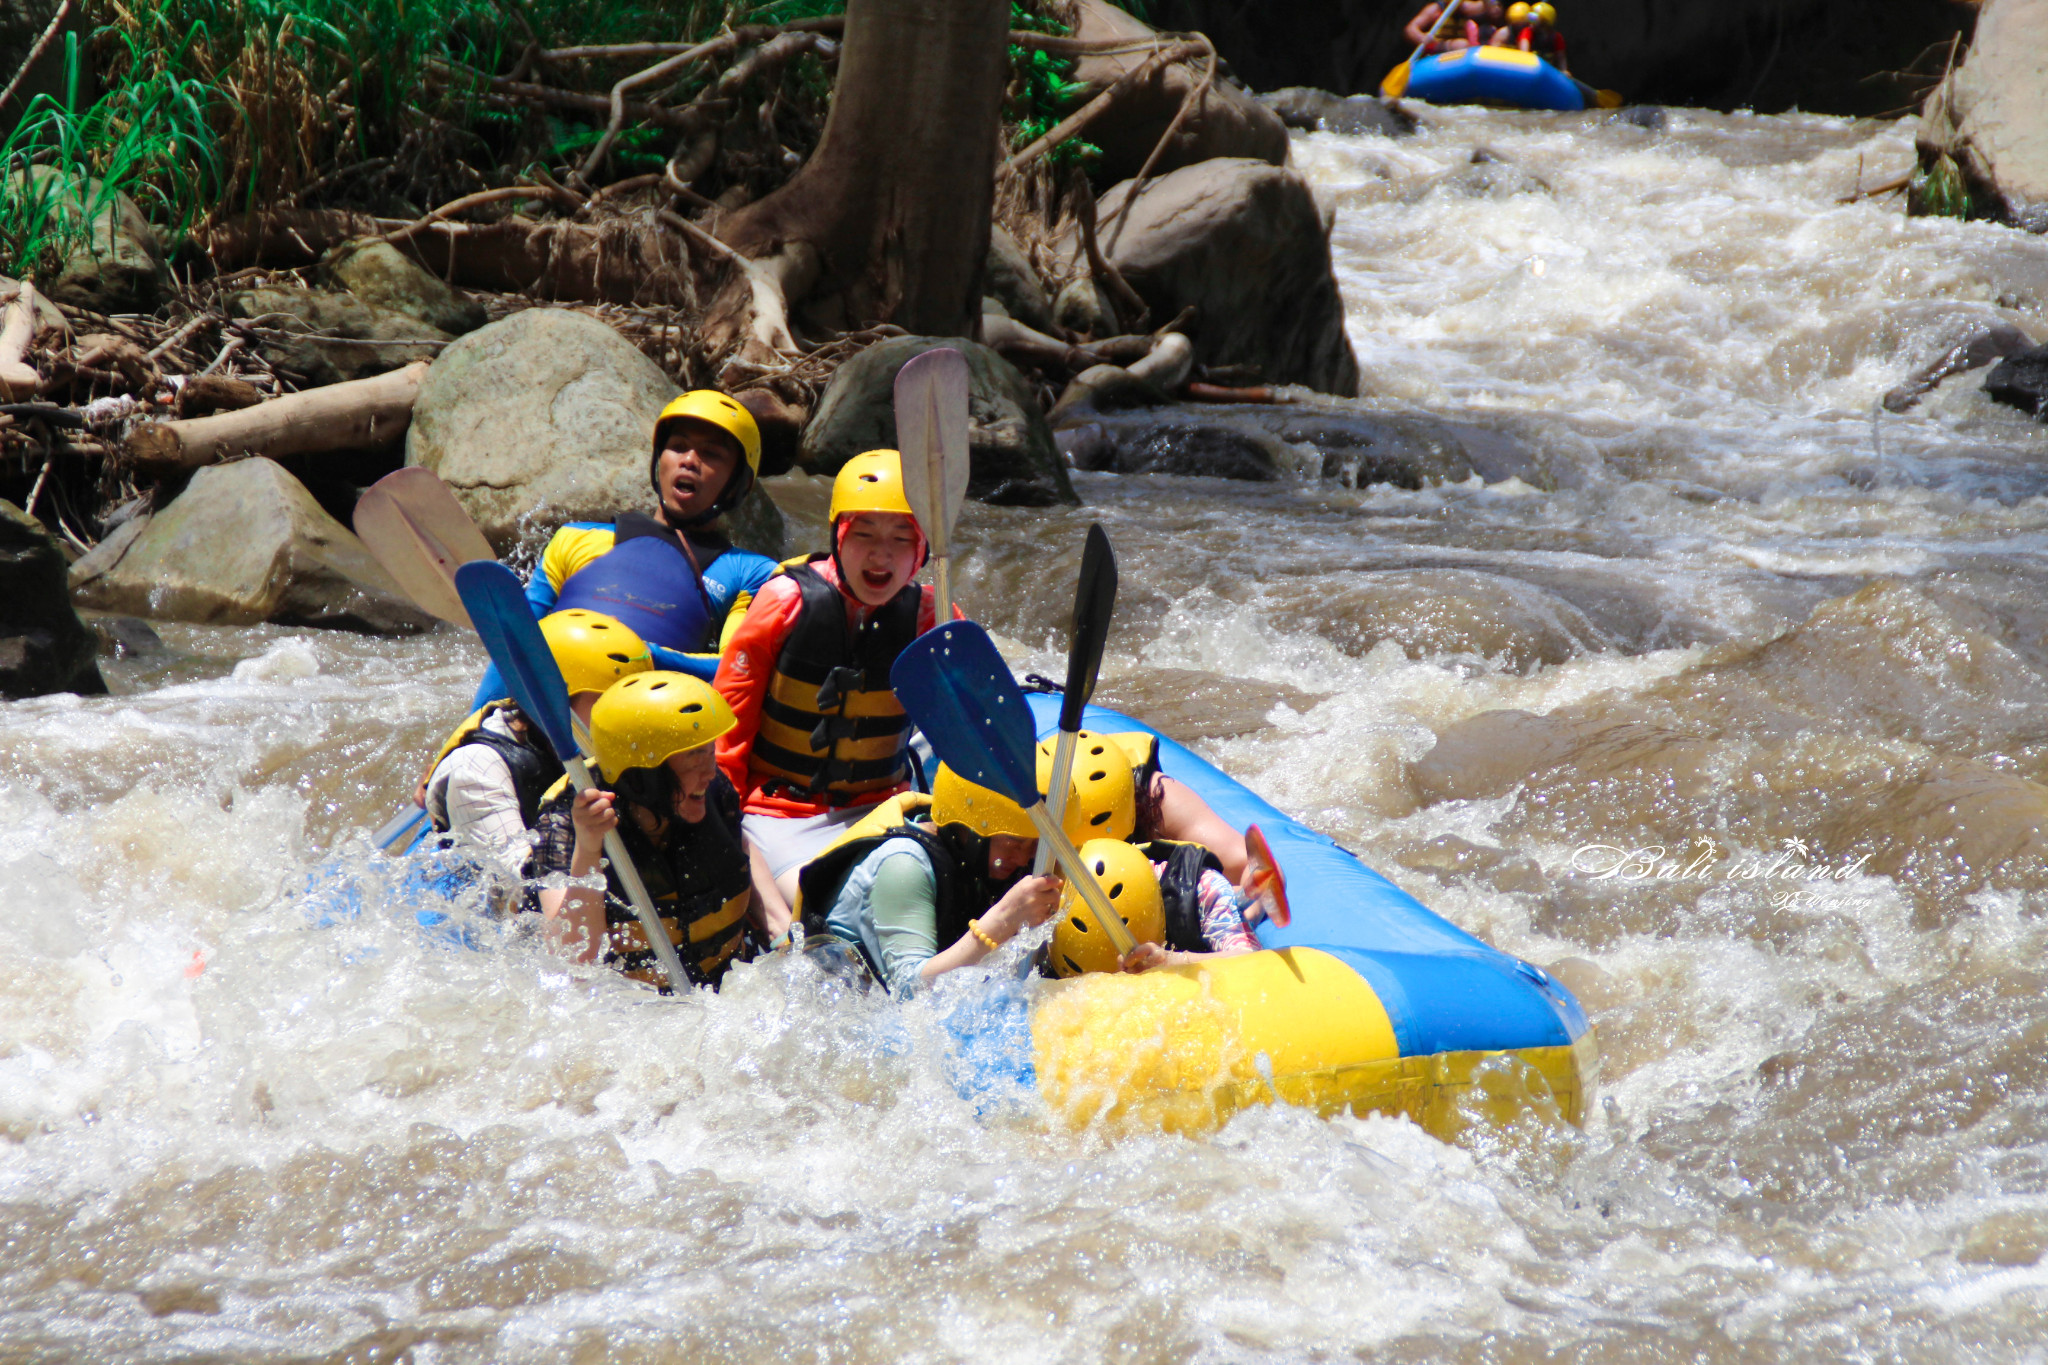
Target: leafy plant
[1039, 89]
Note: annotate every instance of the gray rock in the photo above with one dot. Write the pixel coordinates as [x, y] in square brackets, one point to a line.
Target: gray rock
[1651, 118]
[44, 647]
[128, 637]
[1319, 111]
[1010, 279]
[244, 543]
[2021, 381]
[1014, 460]
[1486, 176]
[547, 417]
[1228, 123]
[1248, 246]
[381, 275]
[330, 337]
[1980, 347]
[1106, 430]
[120, 267]
[1988, 121]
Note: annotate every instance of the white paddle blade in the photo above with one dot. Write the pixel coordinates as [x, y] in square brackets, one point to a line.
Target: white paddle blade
[931, 431]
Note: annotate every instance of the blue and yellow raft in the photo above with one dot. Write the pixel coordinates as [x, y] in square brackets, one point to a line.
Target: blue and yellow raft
[1366, 1002]
[1488, 75]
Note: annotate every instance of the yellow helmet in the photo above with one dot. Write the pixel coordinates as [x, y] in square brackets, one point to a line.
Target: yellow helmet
[1078, 943]
[870, 482]
[957, 801]
[644, 720]
[593, 650]
[1545, 11]
[1518, 12]
[1102, 785]
[727, 414]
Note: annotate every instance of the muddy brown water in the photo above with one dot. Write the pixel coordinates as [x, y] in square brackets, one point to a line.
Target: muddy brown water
[1740, 718]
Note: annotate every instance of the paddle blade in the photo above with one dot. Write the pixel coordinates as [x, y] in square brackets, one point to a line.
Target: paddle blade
[1396, 83]
[1262, 875]
[931, 431]
[1094, 601]
[504, 620]
[417, 530]
[1608, 99]
[961, 694]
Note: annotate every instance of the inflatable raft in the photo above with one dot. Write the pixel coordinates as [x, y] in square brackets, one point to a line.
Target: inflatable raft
[1490, 75]
[1366, 1002]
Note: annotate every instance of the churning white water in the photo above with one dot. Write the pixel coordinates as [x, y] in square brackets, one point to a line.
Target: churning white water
[1758, 613]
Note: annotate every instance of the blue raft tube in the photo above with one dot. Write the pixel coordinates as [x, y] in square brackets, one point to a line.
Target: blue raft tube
[1488, 75]
[1366, 1002]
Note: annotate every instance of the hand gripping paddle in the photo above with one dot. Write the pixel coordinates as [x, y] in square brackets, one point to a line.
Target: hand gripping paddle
[498, 606]
[1094, 600]
[961, 694]
[931, 434]
[417, 530]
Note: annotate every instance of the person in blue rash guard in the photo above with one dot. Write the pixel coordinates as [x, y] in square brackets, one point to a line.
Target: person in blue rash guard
[675, 583]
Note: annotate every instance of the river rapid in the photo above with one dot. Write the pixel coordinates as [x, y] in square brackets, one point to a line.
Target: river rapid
[1770, 802]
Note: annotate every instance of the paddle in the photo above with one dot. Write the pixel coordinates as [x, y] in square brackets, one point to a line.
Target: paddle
[497, 605]
[417, 530]
[1094, 599]
[931, 433]
[961, 694]
[1262, 874]
[1396, 83]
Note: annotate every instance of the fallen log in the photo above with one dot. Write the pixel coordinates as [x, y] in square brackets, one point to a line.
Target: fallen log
[18, 378]
[360, 413]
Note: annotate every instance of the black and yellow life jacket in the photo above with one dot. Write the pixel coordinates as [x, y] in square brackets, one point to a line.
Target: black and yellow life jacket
[831, 727]
[531, 761]
[958, 894]
[700, 882]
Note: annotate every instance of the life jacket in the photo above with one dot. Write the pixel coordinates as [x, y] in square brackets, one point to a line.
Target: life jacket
[831, 727]
[531, 761]
[699, 880]
[651, 581]
[958, 894]
[1180, 890]
[1549, 45]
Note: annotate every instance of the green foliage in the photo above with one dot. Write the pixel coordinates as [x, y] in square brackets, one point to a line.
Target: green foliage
[1039, 88]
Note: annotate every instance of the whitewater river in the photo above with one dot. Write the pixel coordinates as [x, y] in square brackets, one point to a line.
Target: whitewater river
[1745, 615]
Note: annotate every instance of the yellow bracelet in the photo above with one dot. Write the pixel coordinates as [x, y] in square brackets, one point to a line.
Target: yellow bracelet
[974, 928]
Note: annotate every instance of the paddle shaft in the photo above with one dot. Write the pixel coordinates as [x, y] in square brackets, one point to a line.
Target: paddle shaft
[1056, 799]
[942, 587]
[636, 890]
[1051, 835]
[1450, 7]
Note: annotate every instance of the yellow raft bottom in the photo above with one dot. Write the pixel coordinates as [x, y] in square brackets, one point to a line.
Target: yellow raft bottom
[1184, 1048]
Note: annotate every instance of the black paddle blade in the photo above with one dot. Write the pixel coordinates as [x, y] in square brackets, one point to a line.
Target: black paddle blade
[1094, 602]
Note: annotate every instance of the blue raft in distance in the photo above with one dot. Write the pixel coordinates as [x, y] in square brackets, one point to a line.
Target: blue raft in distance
[1494, 75]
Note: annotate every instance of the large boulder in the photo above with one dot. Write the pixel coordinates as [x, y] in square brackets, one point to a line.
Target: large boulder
[119, 265]
[1228, 121]
[44, 647]
[1010, 279]
[1984, 132]
[331, 337]
[1247, 245]
[547, 417]
[1014, 462]
[244, 543]
[1318, 111]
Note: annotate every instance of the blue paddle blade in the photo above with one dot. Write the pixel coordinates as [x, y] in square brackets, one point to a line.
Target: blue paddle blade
[962, 695]
[497, 605]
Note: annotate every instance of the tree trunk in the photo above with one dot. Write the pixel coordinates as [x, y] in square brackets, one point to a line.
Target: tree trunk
[890, 216]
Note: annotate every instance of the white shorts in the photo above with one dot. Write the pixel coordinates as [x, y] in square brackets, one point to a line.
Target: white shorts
[790, 842]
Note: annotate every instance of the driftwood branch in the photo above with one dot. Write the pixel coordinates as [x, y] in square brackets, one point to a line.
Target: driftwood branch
[1192, 101]
[36, 50]
[482, 197]
[362, 412]
[18, 378]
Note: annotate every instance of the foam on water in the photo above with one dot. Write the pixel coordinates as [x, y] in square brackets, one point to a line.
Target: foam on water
[228, 1134]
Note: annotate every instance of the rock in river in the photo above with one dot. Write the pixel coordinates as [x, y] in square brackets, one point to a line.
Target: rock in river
[1248, 246]
[1014, 460]
[44, 647]
[547, 417]
[244, 543]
